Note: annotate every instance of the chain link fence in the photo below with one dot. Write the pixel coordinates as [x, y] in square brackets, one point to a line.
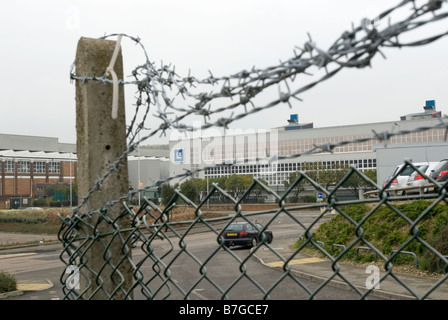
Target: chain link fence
[158, 244]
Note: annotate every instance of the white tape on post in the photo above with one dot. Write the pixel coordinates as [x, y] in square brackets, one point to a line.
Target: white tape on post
[110, 70]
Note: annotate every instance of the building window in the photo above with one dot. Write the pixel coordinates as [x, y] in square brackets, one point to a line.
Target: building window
[9, 166]
[54, 167]
[23, 166]
[39, 167]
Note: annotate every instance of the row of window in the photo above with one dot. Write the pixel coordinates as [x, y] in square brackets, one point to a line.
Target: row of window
[252, 149]
[363, 164]
[24, 166]
[302, 145]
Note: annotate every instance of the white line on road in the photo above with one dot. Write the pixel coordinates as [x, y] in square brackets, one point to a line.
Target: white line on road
[15, 255]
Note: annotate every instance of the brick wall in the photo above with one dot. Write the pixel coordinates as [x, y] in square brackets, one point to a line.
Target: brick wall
[15, 184]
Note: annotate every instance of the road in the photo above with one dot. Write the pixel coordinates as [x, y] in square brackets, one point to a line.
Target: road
[200, 269]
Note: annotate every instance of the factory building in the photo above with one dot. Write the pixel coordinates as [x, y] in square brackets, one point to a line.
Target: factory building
[30, 166]
[271, 154]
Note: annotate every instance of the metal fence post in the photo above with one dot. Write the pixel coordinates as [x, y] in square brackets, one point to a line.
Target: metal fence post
[100, 141]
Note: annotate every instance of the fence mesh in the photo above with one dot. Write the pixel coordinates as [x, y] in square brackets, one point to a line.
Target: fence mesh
[186, 258]
[173, 262]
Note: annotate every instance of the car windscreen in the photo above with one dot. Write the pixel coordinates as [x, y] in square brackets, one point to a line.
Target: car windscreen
[442, 164]
[235, 227]
[424, 168]
[408, 171]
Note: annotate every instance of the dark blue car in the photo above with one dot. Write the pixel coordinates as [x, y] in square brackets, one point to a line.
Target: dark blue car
[245, 234]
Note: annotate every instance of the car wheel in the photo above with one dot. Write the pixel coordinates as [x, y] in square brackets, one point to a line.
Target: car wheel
[254, 242]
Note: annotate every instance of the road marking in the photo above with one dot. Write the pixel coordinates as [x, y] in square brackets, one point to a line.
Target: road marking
[195, 291]
[5, 256]
[32, 286]
[294, 262]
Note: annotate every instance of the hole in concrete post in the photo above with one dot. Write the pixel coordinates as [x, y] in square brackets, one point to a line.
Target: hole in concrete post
[107, 147]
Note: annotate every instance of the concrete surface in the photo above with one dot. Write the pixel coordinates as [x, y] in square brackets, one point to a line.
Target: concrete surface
[15, 244]
[346, 276]
[353, 277]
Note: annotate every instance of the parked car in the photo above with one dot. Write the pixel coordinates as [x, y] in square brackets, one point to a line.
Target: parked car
[416, 179]
[400, 179]
[245, 234]
[440, 172]
[441, 166]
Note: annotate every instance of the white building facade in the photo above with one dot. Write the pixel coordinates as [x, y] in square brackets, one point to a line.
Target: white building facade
[274, 154]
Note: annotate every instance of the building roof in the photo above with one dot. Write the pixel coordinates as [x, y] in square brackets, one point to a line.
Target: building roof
[26, 154]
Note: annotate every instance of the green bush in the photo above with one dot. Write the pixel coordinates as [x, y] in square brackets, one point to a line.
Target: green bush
[19, 216]
[8, 282]
[309, 199]
[439, 242]
[388, 230]
[40, 202]
[440, 222]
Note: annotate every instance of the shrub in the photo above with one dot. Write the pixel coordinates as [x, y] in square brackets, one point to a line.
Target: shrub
[309, 199]
[7, 282]
[440, 222]
[387, 230]
[40, 202]
[440, 243]
[20, 217]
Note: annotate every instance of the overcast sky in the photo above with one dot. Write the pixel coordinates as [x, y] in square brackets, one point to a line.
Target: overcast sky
[39, 40]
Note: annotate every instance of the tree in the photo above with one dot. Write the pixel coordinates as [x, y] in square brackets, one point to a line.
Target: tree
[167, 192]
[221, 182]
[190, 189]
[258, 190]
[355, 182]
[311, 169]
[295, 191]
[331, 176]
[371, 174]
[237, 184]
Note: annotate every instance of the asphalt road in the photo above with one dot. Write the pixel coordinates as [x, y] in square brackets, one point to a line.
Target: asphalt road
[197, 267]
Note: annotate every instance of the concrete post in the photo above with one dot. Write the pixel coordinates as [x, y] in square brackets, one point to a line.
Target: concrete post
[100, 140]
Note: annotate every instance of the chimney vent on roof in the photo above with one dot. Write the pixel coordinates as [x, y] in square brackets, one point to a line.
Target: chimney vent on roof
[293, 119]
[430, 106]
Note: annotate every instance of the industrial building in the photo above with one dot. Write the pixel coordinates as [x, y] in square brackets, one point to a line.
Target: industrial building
[30, 165]
[260, 153]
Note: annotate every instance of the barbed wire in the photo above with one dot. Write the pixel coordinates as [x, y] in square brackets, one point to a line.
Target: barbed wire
[176, 98]
[164, 95]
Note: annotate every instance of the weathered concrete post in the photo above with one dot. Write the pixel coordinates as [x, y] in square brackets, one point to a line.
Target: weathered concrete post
[100, 140]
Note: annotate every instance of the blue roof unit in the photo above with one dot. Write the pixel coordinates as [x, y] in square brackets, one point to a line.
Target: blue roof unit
[294, 123]
[430, 103]
[430, 112]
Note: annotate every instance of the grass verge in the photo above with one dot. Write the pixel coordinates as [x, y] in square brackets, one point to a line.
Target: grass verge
[412, 227]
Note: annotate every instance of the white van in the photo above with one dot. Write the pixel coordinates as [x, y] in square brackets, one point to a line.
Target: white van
[400, 180]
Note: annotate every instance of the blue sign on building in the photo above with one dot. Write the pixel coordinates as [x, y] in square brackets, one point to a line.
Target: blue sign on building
[178, 155]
